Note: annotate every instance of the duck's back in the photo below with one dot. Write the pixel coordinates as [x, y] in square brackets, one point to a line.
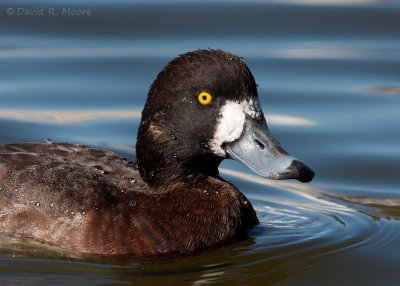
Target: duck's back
[61, 177]
[48, 191]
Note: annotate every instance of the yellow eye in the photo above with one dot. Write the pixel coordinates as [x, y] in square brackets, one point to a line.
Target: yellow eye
[204, 98]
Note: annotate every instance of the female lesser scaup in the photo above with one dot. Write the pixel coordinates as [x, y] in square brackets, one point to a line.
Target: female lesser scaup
[202, 108]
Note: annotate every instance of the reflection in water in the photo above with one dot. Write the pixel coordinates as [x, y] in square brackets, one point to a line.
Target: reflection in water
[388, 208]
[62, 116]
[390, 90]
[51, 116]
[305, 50]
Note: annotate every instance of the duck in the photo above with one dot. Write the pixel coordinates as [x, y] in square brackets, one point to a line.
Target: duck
[202, 108]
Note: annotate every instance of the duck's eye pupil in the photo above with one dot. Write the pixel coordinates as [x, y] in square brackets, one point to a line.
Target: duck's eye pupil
[204, 98]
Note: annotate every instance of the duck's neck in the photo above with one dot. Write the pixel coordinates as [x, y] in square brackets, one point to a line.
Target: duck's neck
[163, 159]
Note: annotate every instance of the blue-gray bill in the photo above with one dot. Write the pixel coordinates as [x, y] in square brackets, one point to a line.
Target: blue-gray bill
[262, 153]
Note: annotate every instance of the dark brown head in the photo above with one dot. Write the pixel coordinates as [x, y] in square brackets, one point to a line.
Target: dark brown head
[202, 108]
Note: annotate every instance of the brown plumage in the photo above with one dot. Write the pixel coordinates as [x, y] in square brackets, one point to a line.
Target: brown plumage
[93, 201]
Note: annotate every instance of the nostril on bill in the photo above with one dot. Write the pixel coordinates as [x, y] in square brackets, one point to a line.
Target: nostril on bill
[260, 144]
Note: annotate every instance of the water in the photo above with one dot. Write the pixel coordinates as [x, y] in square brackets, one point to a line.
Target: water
[328, 75]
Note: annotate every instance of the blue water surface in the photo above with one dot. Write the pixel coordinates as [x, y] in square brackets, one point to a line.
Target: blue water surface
[329, 82]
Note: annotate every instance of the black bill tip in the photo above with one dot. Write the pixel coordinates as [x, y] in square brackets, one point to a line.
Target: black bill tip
[301, 171]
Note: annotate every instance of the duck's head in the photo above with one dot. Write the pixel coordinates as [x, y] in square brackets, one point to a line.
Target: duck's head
[203, 108]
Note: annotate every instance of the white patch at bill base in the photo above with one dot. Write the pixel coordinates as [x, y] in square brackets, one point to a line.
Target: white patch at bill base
[231, 123]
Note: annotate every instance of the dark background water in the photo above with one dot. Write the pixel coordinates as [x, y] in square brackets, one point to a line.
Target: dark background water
[329, 81]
